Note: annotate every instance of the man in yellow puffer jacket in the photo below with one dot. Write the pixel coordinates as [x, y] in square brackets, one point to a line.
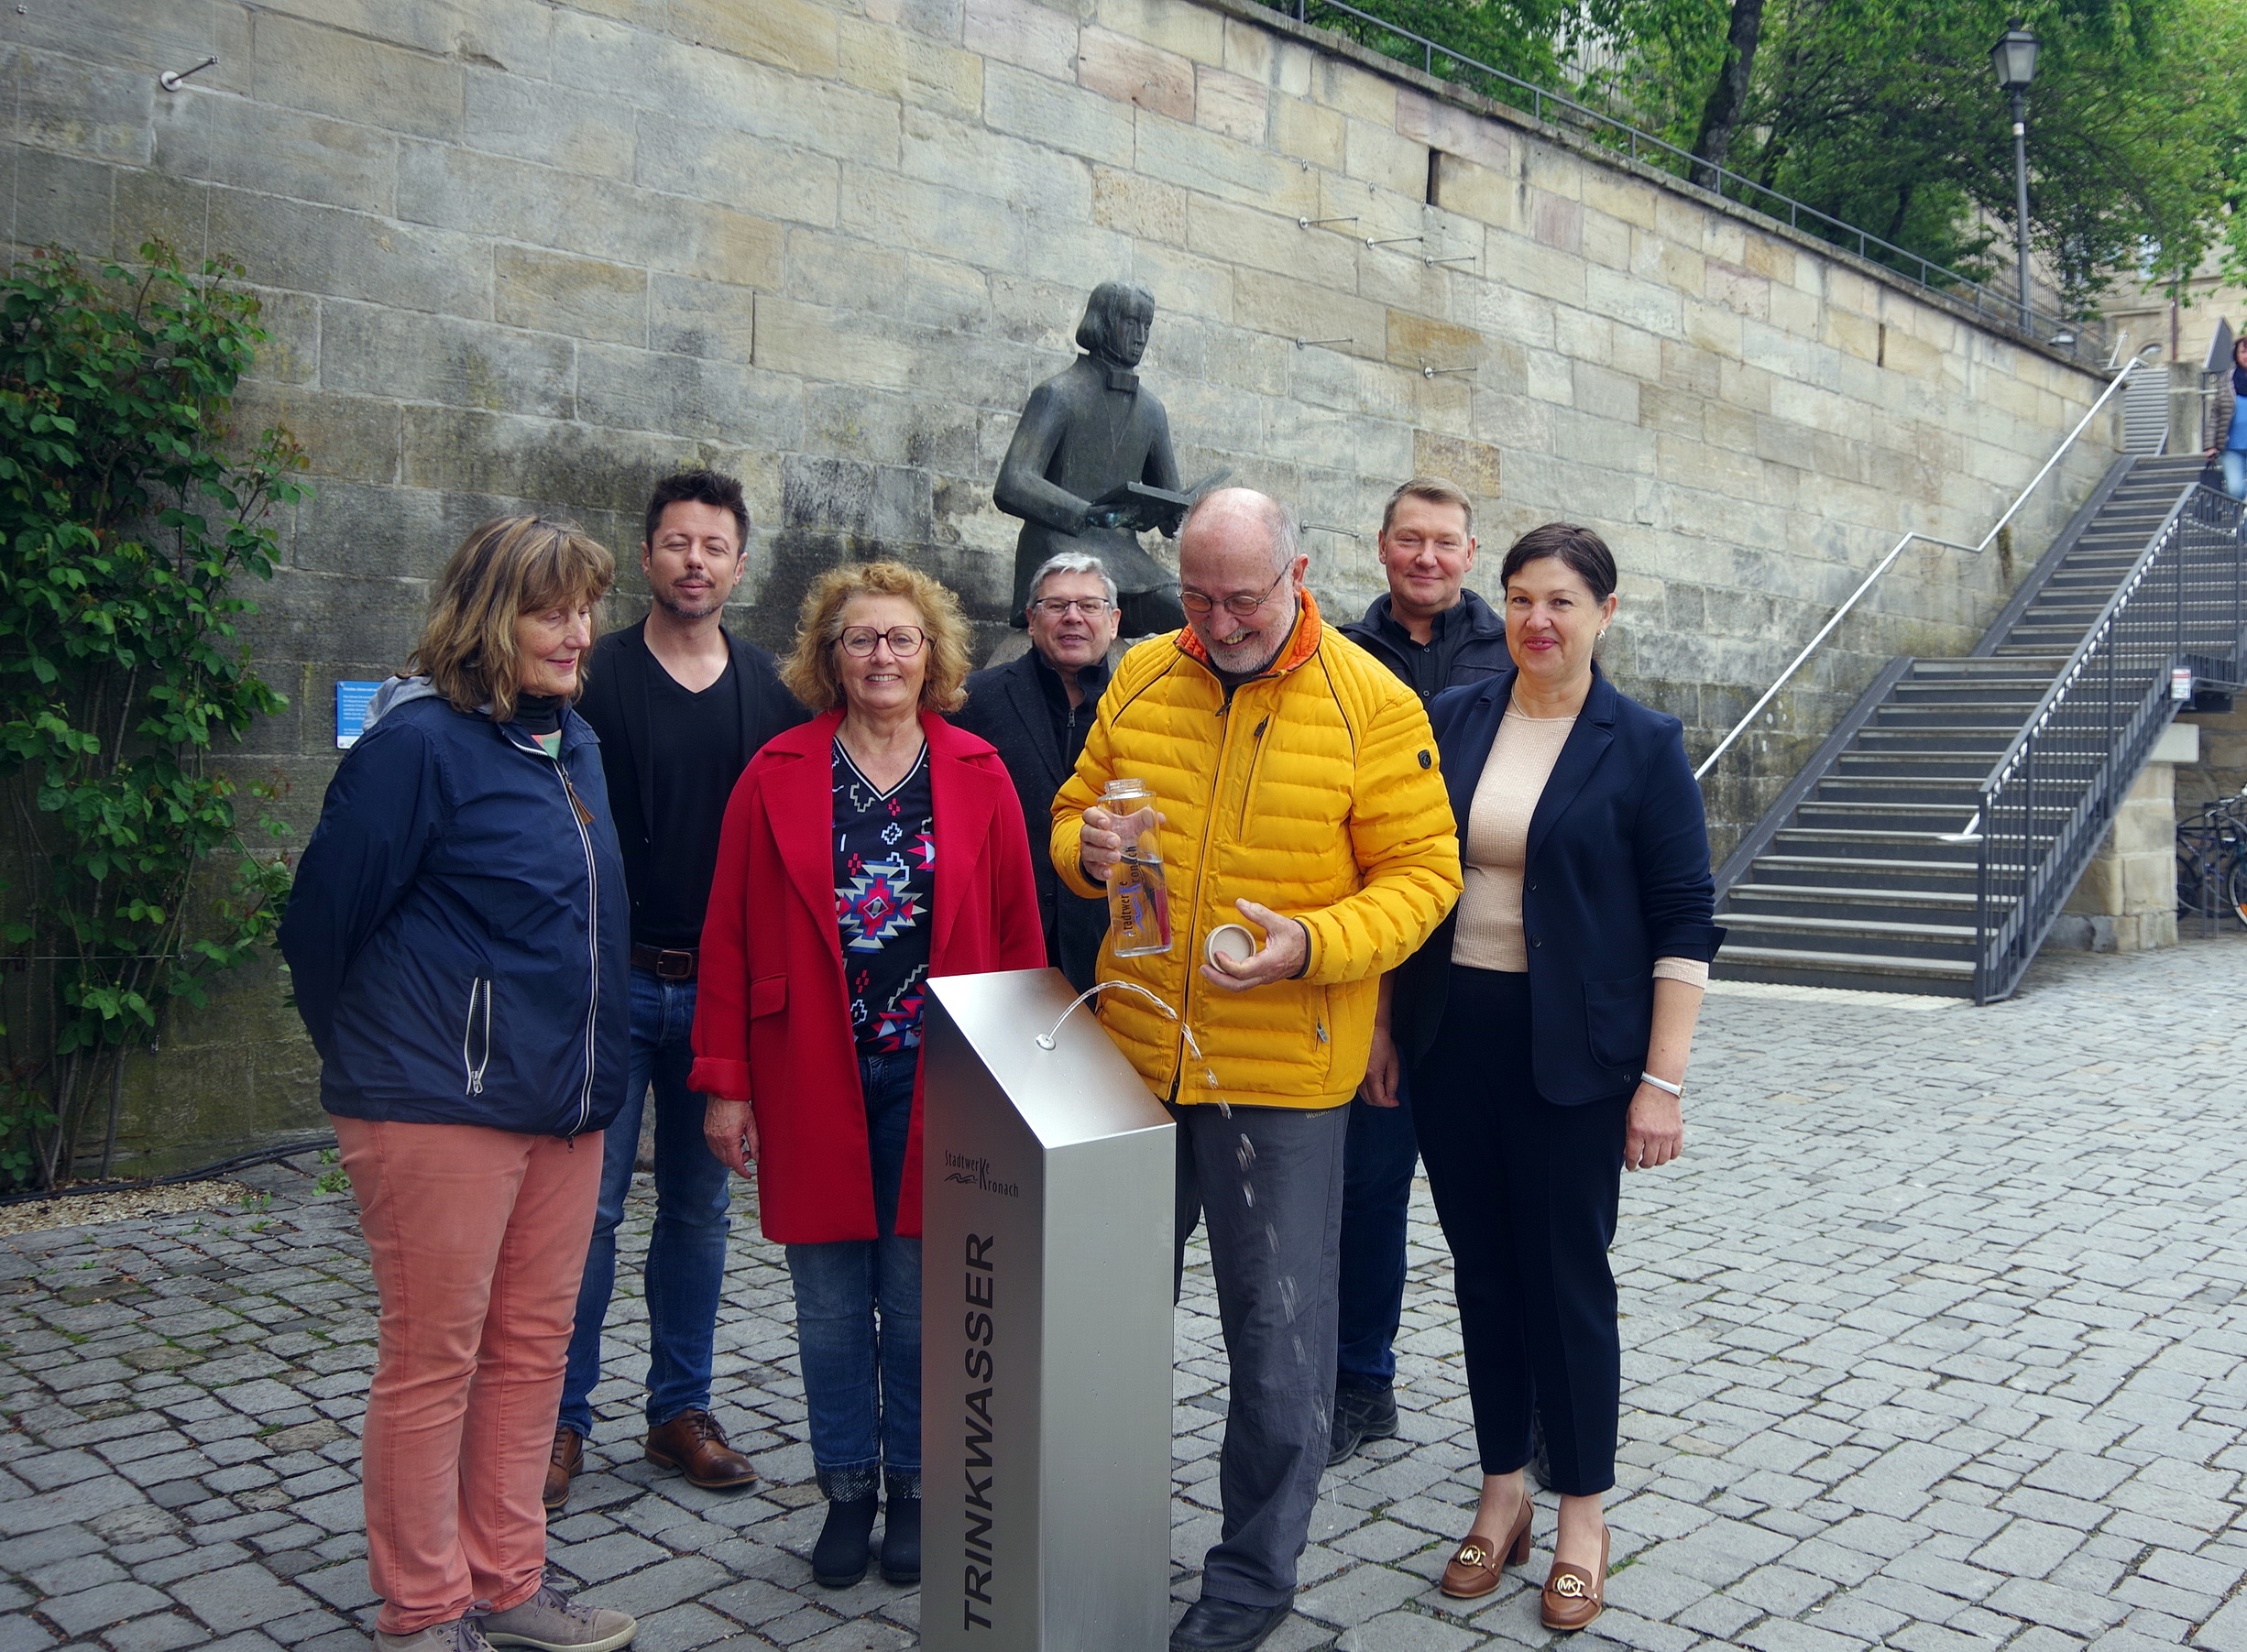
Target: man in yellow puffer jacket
[1298, 783]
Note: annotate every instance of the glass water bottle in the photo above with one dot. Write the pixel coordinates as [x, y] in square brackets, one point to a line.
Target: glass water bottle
[1139, 900]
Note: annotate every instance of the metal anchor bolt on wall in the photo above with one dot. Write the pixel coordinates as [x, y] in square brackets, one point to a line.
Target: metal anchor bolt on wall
[171, 80]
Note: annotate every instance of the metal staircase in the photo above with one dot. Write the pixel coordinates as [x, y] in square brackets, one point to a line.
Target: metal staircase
[1931, 841]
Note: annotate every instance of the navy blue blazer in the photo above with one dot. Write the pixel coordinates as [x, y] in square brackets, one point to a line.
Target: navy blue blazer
[1618, 876]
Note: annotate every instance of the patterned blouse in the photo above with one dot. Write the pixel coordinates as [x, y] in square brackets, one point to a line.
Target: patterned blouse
[885, 879]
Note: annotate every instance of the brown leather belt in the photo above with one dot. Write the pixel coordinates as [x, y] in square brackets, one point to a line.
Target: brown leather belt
[671, 965]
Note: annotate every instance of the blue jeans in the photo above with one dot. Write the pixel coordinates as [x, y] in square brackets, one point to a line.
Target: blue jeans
[687, 1253]
[857, 1317]
[2235, 460]
[1377, 1162]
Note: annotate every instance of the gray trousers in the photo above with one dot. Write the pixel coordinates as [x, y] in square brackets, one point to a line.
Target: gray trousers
[1268, 1181]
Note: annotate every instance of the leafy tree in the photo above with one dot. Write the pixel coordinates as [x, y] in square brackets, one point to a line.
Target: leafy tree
[1728, 100]
[123, 525]
[1884, 114]
[1526, 38]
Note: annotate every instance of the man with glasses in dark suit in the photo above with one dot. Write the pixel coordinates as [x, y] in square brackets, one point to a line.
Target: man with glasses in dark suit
[1035, 710]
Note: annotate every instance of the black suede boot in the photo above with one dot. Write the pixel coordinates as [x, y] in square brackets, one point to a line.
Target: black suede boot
[901, 1530]
[839, 1559]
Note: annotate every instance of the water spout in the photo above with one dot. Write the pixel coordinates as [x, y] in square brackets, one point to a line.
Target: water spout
[1044, 1039]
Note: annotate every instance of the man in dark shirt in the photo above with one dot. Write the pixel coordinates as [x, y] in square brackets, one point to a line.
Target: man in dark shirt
[1037, 710]
[680, 707]
[1435, 634]
[1431, 629]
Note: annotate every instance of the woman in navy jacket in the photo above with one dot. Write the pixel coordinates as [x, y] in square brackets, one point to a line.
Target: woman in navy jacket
[1547, 1024]
[457, 937]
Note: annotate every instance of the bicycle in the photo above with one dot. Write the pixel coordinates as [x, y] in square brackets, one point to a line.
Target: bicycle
[2211, 862]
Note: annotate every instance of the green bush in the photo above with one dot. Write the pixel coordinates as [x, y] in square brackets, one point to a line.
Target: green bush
[128, 511]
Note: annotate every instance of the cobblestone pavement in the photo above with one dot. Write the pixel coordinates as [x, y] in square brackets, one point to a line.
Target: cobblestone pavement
[1932, 1341]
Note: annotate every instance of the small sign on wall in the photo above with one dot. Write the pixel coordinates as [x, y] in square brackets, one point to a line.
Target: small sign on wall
[351, 702]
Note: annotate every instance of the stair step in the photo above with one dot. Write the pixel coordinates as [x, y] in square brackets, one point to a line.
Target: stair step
[1846, 871]
[1958, 794]
[1892, 937]
[1782, 899]
[1873, 972]
[1929, 845]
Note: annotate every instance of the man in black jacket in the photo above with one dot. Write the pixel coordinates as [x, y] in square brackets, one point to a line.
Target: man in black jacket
[680, 707]
[1434, 634]
[1037, 710]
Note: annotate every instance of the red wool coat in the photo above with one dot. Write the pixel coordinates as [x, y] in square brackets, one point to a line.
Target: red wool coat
[771, 1015]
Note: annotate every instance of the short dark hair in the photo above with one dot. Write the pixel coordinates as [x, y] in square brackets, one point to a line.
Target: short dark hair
[1436, 490]
[1104, 308]
[699, 488]
[1585, 552]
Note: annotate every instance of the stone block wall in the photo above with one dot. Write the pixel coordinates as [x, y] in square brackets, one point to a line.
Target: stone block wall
[2126, 898]
[535, 253]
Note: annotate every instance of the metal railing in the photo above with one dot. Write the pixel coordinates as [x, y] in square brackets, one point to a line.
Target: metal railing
[1897, 550]
[2048, 800]
[2081, 337]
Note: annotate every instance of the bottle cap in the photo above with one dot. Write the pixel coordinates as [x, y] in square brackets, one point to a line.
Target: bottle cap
[1230, 942]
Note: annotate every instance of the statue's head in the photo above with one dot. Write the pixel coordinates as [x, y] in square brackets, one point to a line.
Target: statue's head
[1117, 319]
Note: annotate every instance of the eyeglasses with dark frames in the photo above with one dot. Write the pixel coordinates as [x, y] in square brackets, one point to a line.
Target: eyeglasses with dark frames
[1194, 602]
[905, 641]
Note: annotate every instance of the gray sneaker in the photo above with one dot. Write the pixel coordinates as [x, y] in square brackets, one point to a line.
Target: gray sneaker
[461, 1634]
[552, 1622]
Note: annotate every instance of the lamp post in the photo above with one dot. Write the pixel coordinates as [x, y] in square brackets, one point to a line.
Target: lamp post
[2014, 58]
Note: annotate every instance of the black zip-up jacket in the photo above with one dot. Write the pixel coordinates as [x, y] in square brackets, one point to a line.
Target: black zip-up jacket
[1468, 645]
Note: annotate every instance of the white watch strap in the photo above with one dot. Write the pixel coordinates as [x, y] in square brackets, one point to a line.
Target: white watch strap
[1675, 1090]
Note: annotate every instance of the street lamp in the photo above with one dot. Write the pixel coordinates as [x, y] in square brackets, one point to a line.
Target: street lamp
[2014, 58]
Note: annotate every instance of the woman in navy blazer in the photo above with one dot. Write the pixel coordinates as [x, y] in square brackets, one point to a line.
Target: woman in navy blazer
[1547, 1025]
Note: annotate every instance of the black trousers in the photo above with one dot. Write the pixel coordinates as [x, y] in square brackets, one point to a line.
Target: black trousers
[1527, 1194]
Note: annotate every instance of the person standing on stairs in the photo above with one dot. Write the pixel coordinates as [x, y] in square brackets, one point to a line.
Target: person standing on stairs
[2228, 444]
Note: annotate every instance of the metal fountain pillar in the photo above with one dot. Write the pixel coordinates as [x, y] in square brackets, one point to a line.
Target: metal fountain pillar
[1046, 1328]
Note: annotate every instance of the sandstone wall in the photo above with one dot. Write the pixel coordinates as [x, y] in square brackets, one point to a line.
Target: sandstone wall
[521, 253]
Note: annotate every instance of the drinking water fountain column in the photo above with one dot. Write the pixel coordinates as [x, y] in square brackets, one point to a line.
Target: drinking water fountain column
[1045, 1327]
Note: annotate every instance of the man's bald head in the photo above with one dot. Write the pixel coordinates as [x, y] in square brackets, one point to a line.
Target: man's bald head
[1232, 511]
[1241, 544]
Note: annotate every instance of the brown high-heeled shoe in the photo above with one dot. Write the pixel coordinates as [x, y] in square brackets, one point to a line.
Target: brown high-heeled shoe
[1473, 1570]
[1573, 1596]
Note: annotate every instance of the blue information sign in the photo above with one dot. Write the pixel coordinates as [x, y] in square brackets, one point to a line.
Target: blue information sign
[351, 703]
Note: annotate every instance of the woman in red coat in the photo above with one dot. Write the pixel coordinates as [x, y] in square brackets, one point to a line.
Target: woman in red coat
[863, 852]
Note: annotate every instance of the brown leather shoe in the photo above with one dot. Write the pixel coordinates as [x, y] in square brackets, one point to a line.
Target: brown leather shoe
[1573, 1596]
[569, 1456]
[692, 1443]
[1473, 1570]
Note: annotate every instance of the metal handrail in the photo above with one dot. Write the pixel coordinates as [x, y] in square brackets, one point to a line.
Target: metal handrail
[1888, 562]
[2047, 800]
[2094, 639]
[2074, 333]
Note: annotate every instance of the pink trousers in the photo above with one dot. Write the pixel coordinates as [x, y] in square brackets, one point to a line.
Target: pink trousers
[480, 1240]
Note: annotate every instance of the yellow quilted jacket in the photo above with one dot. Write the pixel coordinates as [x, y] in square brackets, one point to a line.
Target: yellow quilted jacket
[1316, 794]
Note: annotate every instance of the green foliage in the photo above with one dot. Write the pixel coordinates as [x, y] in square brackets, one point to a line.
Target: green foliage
[125, 524]
[1884, 113]
[1526, 38]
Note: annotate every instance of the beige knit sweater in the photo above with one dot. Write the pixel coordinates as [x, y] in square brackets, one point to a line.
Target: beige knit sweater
[1489, 936]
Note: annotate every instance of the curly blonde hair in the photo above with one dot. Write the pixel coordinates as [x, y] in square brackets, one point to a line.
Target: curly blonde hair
[809, 671]
[510, 566]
